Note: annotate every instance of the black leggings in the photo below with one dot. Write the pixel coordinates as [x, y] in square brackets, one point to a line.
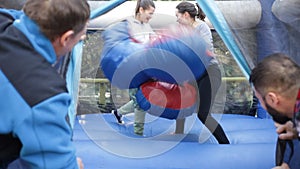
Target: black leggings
[208, 86]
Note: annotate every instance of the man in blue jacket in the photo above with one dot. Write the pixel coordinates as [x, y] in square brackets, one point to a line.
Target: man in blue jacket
[34, 99]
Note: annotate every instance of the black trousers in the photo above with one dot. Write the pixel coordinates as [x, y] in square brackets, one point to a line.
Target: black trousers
[208, 86]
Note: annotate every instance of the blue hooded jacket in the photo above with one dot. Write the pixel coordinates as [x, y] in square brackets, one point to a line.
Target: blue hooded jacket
[34, 100]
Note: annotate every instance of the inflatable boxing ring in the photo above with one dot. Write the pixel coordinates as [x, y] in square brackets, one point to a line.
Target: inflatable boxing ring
[102, 143]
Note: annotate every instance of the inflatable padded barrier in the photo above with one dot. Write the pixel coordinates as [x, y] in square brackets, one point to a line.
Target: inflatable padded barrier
[102, 143]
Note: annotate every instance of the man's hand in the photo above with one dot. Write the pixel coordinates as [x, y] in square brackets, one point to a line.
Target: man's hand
[286, 131]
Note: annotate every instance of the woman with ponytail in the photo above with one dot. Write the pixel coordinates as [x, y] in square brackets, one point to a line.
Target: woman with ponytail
[191, 15]
[140, 32]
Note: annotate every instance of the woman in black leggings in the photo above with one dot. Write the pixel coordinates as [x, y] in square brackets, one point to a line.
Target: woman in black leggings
[208, 86]
[210, 82]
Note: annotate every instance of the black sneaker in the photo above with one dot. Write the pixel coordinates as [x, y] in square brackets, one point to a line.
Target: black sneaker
[117, 116]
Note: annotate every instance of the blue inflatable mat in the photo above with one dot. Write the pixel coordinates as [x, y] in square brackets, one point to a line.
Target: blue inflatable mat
[102, 143]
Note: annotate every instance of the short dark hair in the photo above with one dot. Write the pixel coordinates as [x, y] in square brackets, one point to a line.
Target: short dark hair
[277, 73]
[55, 17]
